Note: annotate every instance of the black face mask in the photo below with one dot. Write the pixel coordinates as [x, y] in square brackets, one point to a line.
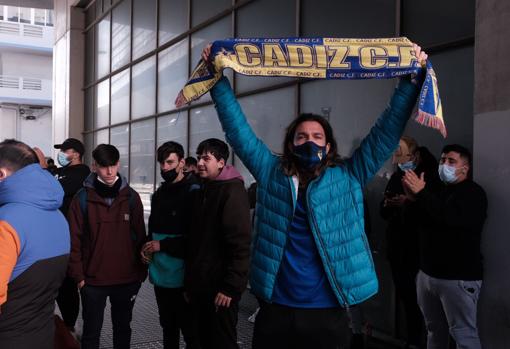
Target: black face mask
[169, 176]
[309, 154]
[106, 191]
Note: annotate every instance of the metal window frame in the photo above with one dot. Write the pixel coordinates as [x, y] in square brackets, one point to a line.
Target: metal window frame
[186, 111]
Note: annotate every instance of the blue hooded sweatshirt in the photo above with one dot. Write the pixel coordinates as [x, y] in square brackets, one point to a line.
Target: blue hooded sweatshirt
[34, 248]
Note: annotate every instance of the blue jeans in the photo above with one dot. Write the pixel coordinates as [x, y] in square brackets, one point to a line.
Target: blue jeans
[449, 307]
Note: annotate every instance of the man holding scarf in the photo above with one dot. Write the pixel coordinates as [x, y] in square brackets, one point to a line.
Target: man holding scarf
[311, 255]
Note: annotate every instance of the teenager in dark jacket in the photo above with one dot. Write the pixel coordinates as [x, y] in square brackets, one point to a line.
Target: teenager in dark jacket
[171, 209]
[107, 233]
[401, 233]
[71, 176]
[218, 247]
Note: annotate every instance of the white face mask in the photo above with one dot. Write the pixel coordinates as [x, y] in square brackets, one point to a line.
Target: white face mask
[447, 173]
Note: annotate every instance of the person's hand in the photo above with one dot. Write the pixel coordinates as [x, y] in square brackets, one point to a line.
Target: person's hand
[81, 284]
[41, 157]
[420, 55]
[413, 183]
[395, 201]
[206, 52]
[145, 256]
[222, 300]
[151, 246]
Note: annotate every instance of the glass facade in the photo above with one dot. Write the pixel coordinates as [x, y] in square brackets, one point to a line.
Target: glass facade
[26, 15]
[139, 54]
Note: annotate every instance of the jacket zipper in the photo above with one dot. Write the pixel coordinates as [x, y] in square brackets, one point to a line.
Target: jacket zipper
[311, 218]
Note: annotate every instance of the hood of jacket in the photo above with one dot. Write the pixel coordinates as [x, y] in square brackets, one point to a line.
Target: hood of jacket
[229, 172]
[32, 186]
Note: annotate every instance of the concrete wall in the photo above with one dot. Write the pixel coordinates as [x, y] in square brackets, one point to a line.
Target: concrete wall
[33, 132]
[28, 65]
[492, 165]
[68, 73]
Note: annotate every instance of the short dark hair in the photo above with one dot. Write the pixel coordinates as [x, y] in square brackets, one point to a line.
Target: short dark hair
[191, 161]
[106, 155]
[168, 148]
[15, 155]
[216, 147]
[463, 152]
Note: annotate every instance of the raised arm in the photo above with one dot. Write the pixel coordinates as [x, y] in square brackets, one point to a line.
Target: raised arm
[384, 136]
[254, 154]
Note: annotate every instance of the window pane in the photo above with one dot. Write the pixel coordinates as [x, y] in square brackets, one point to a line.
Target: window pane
[144, 27]
[103, 47]
[277, 23]
[101, 137]
[452, 20]
[89, 109]
[204, 9]
[120, 138]
[12, 13]
[89, 56]
[121, 29]
[99, 7]
[90, 15]
[143, 161]
[2, 12]
[49, 18]
[348, 19]
[25, 16]
[120, 97]
[102, 104]
[173, 127]
[39, 16]
[204, 124]
[172, 74]
[173, 19]
[89, 146]
[143, 101]
[260, 111]
[217, 31]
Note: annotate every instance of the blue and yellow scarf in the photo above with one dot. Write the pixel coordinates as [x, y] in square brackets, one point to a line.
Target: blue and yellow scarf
[319, 58]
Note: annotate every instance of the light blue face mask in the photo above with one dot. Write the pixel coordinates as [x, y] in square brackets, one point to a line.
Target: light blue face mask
[406, 166]
[62, 159]
[447, 173]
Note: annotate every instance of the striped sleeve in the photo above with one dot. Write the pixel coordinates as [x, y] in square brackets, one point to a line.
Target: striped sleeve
[9, 252]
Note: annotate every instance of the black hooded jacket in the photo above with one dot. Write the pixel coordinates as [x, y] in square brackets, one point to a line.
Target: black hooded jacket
[171, 211]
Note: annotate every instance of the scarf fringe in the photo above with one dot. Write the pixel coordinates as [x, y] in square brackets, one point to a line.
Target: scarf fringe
[432, 121]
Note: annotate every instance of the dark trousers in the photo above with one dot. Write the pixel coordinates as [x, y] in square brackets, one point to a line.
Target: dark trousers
[68, 301]
[217, 328]
[281, 327]
[122, 299]
[174, 315]
[404, 279]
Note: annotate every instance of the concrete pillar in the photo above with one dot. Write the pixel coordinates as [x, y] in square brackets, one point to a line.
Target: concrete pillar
[492, 165]
[68, 71]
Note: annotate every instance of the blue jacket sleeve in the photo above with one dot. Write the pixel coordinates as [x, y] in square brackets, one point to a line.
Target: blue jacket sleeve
[384, 136]
[254, 154]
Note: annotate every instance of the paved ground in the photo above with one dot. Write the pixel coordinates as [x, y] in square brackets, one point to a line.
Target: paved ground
[147, 332]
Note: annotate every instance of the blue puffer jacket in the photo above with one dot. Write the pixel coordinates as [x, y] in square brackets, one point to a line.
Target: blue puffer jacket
[335, 198]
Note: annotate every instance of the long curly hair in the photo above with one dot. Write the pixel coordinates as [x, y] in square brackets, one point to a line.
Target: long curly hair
[289, 161]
